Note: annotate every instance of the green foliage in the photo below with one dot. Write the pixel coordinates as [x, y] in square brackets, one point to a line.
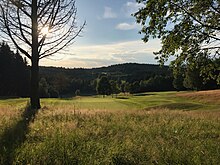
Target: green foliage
[135, 87]
[86, 79]
[156, 83]
[43, 88]
[192, 79]
[178, 74]
[77, 92]
[114, 87]
[14, 73]
[187, 30]
[103, 86]
[127, 87]
[187, 74]
[53, 92]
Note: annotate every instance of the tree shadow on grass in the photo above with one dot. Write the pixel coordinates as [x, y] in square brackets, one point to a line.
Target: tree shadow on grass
[14, 136]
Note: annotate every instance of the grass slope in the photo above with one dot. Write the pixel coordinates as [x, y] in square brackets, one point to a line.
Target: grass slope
[149, 128]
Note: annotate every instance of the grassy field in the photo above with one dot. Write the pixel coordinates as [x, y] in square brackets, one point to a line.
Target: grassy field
[148, 128]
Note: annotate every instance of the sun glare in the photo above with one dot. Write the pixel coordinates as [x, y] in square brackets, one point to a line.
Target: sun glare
[44, 30]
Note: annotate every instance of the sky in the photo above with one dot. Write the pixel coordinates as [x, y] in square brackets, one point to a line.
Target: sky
[109, 37]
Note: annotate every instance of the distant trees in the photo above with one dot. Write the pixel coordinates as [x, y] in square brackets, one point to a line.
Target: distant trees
[43, 88]
[61, 82]
[14, 73]
[86, 80]
[115, 89]
[77, 92]
[103, 86]
[65, 82]
[127, 87]
[134, 87]
[156, 83]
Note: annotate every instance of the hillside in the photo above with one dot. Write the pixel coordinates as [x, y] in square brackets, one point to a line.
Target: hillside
[127, 71]
[137, 78]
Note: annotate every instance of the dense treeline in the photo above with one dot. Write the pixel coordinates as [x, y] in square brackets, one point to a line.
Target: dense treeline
[126, 78]
[121, 78]
[14, 73]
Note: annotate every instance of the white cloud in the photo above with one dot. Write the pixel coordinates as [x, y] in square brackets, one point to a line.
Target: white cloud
[131, 8]
[88, 56]
[127, 26]
[108, 13]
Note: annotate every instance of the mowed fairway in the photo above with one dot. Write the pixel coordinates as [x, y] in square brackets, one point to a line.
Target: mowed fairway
[148, 128]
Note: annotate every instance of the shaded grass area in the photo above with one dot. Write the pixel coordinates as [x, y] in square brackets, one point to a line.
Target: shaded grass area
[14, 134]
[151, 128]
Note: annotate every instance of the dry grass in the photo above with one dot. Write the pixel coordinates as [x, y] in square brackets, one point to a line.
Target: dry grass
[83, 132]
[157, 136]
[212, 96]
[7, 115]
[8, 111]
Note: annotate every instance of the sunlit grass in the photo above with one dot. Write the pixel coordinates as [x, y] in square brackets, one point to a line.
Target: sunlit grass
[150, 128]
[143, 137]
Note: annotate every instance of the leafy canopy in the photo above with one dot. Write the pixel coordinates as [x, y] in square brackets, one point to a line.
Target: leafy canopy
[188, 29]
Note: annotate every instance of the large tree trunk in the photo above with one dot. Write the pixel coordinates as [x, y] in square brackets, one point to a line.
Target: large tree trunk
[35, 100]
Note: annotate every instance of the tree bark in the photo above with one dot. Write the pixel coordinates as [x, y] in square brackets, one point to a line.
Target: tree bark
[35, 99]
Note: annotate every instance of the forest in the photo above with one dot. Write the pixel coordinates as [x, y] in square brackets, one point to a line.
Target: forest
[121, 78]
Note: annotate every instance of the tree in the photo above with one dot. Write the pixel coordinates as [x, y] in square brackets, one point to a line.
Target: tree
[43, 88]
[114, 87]
[38, 29]
[14, 73]
[187, 74]
[77, 92]
[61, 83]
[186, 28]
[178, 75]
[127, 87]
[135, 87]
[103, 86]
[122, 86]
[192, 79]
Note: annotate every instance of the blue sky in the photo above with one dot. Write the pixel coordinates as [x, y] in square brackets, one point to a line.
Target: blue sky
[110, 37]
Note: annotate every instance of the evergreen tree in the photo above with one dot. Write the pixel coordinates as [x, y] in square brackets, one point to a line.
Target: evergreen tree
[14, 73]
[103, 86]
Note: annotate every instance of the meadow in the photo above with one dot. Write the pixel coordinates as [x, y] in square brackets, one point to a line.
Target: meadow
[147, 128]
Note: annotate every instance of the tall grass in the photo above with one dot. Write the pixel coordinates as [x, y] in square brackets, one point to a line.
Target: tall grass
[14, 132]
[144, 137]
[71, 132]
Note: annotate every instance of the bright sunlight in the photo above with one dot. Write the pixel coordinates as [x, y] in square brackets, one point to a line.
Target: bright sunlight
[45, 30]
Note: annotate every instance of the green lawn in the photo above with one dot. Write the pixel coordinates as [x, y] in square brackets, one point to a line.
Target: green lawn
[148, 128]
